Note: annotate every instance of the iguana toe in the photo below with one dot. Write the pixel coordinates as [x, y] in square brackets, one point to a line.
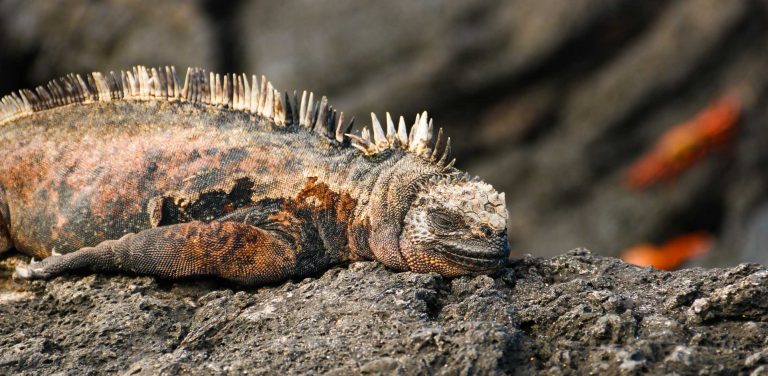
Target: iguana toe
[35, 270]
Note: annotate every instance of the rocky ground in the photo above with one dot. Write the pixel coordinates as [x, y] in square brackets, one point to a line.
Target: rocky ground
[548, 100]
[575, 313]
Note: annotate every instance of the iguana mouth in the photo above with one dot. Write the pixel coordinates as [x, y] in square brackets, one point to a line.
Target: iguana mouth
[486, 258]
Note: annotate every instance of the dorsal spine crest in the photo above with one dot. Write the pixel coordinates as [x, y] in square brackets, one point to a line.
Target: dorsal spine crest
[233, 92]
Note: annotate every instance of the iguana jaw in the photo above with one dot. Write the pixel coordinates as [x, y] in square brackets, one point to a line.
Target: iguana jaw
[451, 261]
[474, 255]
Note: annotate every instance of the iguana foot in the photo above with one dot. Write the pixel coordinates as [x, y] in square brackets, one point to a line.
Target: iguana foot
[232, 250]
[35, 269]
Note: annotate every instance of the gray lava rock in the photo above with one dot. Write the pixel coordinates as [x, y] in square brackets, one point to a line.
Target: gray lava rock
[61, 37]
[395, 55]
[572, 313]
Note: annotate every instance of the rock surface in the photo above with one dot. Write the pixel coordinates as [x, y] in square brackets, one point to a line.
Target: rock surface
[42, 39]
[572, 313]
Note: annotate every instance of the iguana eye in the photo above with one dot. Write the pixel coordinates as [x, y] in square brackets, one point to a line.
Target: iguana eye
[442, 221]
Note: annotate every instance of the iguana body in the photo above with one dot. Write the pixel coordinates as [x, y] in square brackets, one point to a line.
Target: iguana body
[136, 173]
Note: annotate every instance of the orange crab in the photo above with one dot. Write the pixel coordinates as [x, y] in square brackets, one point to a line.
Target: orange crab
[685, 144]
[671, 254]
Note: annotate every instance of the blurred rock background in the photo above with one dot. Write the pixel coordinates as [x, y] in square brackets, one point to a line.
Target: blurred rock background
[551, 101]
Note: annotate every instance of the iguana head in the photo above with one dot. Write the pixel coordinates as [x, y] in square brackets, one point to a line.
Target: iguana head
[455, 226]
[426, 215]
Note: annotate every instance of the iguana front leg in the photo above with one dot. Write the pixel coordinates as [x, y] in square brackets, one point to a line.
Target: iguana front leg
[234, 250]
[5, 231]
[5, 237]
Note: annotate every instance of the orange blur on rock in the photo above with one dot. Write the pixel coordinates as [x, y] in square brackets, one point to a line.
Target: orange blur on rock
[685, 144]
[671, 254]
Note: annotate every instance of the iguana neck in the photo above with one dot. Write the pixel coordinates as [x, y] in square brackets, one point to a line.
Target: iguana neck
[386, 190]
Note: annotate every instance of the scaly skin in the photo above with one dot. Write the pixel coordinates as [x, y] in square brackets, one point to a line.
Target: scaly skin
[178, 189]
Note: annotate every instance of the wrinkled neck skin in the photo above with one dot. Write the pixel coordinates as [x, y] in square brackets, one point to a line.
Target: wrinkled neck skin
[390, 197]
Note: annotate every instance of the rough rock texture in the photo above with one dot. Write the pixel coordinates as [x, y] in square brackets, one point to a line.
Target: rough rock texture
[379, 56]
[575, 312]
[45, 39]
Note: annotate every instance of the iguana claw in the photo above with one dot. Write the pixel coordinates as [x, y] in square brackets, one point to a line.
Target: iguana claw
[32, 271]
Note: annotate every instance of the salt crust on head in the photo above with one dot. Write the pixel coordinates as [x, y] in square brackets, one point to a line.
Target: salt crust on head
[472, 197]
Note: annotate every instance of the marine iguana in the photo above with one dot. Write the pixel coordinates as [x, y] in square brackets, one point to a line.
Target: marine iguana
[133, 172]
